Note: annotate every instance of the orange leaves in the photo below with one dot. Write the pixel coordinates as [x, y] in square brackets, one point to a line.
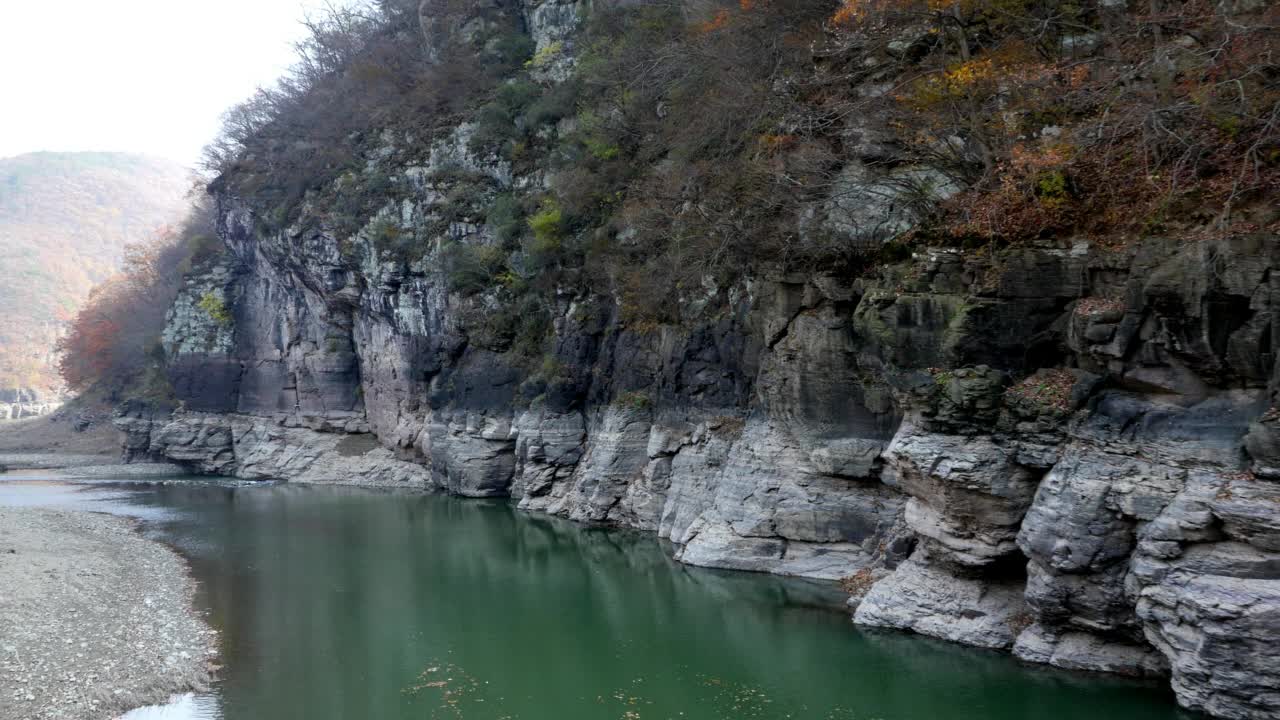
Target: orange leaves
[851, 12]
[1012, 71]
[110, 337]
[1025, 159]
[718, 22]
[1032, 195]
[773, 144]
[87, 348]
[1077, 76]
[970, 73]
[723, 17]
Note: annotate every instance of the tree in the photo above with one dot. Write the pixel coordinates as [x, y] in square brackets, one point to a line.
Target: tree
[113, 343]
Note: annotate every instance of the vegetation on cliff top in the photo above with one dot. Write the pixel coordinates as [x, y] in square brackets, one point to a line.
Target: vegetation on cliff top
[364, 70]
[675, 146]
[694, 139]
[1093, 118]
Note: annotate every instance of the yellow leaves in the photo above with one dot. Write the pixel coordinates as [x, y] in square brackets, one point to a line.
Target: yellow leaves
[954, 83]
[545, 56]
[970, 73]
[850, 13]
[1009, 72]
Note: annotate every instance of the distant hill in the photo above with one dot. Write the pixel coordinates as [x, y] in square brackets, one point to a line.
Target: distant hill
[64, 221]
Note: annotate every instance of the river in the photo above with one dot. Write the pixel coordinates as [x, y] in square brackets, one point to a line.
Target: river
[347, 603]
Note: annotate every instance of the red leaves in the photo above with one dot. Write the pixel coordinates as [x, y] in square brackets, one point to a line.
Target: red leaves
[717, 22]
[111, 336]
[88, 348]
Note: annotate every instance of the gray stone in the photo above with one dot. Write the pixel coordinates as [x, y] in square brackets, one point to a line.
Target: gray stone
[930, 601]
[1075, 650]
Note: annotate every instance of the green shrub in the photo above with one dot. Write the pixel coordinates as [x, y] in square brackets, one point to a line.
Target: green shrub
[1053, 189]
[552, 369]
[474, 268]
[547, 222]
[506, 217]
[498, 121]
[520, 324]
[215, 307]
[548, 229]
[555, 104]
[353, 198]
[546, 55]
[601, 149]
[514, 49]
[391, 239]
[534, 329]
[201, 248]
[465, 196]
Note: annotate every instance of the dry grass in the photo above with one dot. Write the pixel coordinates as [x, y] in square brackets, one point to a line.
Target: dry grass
[1048, 389]
[1098, 306]
[859, 583]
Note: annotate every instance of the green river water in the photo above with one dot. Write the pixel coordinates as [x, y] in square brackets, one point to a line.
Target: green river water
[343, 603]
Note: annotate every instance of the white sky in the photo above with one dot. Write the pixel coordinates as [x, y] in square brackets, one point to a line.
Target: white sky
[149, 76]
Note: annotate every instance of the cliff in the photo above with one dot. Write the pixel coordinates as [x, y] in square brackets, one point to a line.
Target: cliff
[1062, 447]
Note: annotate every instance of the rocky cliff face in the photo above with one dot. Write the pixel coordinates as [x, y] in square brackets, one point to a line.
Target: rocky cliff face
[1061, 449]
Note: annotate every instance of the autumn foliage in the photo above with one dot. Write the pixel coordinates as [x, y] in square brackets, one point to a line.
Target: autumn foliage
[113, 344]
[1104, 119]
[728, 121]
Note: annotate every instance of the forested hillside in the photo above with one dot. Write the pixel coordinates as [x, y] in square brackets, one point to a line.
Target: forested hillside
[65, 219]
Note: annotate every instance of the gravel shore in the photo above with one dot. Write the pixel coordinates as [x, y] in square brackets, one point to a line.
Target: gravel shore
[80, 467]
[94, 619]
[53, 460]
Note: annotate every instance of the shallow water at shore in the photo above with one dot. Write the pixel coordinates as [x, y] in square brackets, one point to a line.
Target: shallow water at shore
[342, 603]
[94, 619]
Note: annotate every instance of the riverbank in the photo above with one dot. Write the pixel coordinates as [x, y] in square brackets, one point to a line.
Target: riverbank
[81, 467]
[94, 618]
[75, 429]
[53, 443]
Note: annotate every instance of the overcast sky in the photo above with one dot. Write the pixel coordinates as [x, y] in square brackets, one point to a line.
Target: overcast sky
[150, 76]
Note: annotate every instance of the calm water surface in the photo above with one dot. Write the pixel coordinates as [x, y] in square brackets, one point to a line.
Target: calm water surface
[352, 604]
